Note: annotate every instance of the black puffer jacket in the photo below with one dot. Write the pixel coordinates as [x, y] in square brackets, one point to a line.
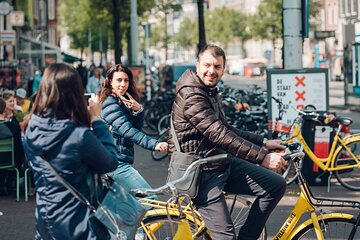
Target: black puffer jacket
[198, 114]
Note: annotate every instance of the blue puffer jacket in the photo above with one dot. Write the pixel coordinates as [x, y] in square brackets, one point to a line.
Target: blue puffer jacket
[126, 129]
[75, 152]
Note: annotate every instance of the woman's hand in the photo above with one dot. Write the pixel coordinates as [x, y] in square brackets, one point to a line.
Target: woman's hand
[94, 107]
[161, 146]
[131, 103]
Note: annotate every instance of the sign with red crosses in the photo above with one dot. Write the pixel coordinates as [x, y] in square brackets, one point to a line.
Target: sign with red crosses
[297, 88]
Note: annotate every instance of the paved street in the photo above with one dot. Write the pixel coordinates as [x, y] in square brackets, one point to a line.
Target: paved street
[17, 221]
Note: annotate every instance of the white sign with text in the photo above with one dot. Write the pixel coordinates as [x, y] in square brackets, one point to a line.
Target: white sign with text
[297, 89]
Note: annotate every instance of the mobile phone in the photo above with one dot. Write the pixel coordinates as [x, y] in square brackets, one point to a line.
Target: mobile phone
[87, 96]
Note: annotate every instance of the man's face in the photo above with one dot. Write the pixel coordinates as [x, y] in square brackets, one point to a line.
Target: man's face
[210, 69]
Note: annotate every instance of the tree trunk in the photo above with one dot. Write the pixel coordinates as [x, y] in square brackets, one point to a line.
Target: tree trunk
[243, 50]
[202, 37]
[117, 30]
[166, 39]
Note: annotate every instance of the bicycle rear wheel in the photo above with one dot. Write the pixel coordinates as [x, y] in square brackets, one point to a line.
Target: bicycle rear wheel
[160, 227]
[349, 178]
[239, 208]
[332, 228]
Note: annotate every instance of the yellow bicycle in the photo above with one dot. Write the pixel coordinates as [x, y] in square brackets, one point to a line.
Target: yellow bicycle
[177, 219]
[344, 155]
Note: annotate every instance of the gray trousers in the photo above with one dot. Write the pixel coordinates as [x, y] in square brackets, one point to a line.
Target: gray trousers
[241, 177]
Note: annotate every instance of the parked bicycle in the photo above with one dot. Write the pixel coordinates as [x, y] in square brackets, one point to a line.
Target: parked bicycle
[343, 159]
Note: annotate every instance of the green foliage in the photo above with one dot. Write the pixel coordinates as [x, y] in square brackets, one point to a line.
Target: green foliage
[188, 34]
[267, 23]
[224, 25]
[81, 15]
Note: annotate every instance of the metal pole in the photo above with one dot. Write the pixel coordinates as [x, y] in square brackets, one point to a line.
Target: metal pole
[293, 41]
[134, 33]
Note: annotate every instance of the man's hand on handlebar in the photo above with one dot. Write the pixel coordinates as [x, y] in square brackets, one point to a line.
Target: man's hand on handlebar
[274, 161]
[274, 144]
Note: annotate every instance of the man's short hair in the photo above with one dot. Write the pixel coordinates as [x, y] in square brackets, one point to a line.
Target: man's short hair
[215, 51]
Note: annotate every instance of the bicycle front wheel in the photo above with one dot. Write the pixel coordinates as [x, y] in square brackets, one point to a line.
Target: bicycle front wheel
[239, 208]
[159, 228]
[349, 178]
[332, 228]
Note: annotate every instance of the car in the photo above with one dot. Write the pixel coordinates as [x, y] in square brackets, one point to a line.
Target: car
[169, 74]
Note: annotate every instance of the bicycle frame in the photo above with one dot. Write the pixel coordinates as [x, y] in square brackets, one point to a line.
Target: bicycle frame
[327, 164]
[305, 203]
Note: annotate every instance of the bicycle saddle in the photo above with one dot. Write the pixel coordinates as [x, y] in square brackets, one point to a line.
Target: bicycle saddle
[344, 120]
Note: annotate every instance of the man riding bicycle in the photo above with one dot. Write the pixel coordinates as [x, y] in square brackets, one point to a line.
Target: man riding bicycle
[198, 115]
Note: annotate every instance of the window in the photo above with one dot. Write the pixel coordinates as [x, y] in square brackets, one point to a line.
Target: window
[330, 15]
[36, 9]
[51, 10]
[51, 35]
[336, 13]
[352, 5]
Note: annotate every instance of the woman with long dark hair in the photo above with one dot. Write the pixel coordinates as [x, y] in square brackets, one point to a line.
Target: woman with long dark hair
[58, 131]
[122, 111]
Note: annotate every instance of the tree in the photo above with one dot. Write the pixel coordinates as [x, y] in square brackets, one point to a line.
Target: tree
[113, 16]
[267, 23]
[166, 7]
[222, 25]
[76, 23]
[188, 35]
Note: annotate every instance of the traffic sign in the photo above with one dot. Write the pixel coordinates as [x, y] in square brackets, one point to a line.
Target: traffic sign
[17, 18]
[324, 34]
[7, 37]
[5, 8]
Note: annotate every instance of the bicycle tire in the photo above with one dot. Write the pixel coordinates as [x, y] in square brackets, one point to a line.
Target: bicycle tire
[240, 212]
[349, 178]
[164, 232]
[336, 228]
[164, 123]
[157, 155]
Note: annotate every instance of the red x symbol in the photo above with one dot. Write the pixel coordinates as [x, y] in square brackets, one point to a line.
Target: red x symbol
[300, 81]
[300, 106]
[300, 95]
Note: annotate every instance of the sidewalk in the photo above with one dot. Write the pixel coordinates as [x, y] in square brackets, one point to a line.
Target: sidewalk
[337, 97]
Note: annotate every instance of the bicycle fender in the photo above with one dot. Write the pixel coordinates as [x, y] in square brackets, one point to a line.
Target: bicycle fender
[319, 218]
[352, 138]
[347, 140]
[172, 212]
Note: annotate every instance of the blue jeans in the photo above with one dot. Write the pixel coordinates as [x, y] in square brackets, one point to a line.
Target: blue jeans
[130, 178]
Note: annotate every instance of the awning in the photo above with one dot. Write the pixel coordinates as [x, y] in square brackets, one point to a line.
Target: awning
[70, 58]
